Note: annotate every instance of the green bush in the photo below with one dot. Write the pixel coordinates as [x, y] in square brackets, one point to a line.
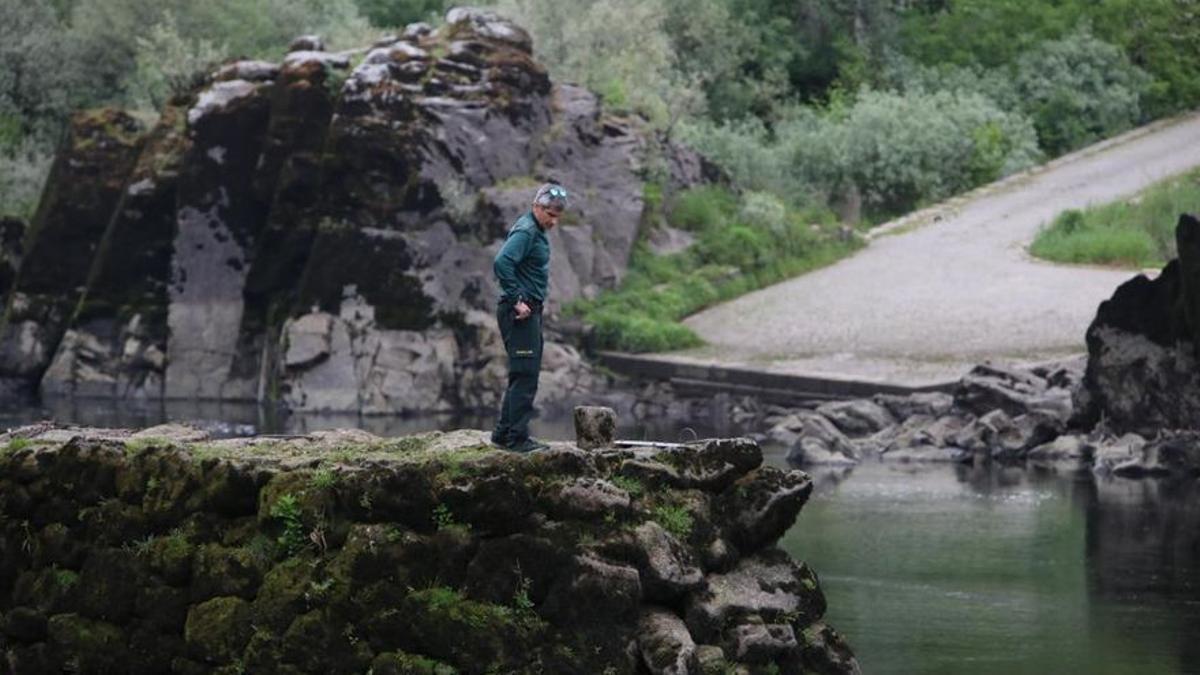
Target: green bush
[702, 208]
[398, 13]
[1079, 90]
[23, 171]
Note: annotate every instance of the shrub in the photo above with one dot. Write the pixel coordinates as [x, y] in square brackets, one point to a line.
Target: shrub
[701, 208]
[23, 172]
[1079, 90]
[618, 48]
[904, 150]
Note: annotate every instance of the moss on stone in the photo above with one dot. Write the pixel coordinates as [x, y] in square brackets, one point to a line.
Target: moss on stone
[85, 645]
[222, 571]
[401, 663]
[169, 556]
[217, 630]
[501, 637]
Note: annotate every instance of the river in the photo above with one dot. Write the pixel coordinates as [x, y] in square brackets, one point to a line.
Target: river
[947, 569]
[927, 569]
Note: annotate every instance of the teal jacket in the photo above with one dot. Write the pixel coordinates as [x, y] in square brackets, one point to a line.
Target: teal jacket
[523, 264]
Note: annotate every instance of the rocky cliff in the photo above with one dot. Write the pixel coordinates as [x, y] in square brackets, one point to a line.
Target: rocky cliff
[340, 552]
[320, 231]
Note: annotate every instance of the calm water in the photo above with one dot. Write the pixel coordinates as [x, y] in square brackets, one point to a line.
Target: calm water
[246, 419]
[955, 570]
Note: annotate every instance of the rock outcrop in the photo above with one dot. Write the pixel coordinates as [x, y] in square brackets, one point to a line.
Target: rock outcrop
[341, 552]
[1143, 373]
[319, 232]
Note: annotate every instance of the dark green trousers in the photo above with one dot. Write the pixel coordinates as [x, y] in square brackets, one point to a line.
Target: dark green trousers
[523, 342]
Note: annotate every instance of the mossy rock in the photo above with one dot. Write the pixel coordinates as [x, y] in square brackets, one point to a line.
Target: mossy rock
[231, 489]
[283, 594]
[23, 624]
[153, 646]
[400, 663]
[52, 590]
[217, 570]
[57, 545]
[162, 606]
[319, 642]
[112, 522]
[371, 553]
[473, 636]
[109, 583]
[217, 630]
[170, 557]
[86, 645]
[173, 487]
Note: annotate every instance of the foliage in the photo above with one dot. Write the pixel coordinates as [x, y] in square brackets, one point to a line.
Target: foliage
[742, 244]
[674, 519]
[1162, 37]
[443, 518]
[167, 64]
[618, 48]
[23, 172]
[1138, 232]
[898, 150]
[1078, 90]
[37, 78]
[287, 511]
[16, 445]
[325, 478]
[397, 13]
[633, 486]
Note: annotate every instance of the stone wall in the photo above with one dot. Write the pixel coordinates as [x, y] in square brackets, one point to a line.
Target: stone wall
[340, 552]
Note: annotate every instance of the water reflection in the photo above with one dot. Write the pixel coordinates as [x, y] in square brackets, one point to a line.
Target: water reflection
[957, 569]
[224, 419]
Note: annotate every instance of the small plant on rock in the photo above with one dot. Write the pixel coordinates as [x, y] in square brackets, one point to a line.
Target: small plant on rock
[325, 479]
[287, 510]
[16, 444]
[674, 519]
[631, 485]
[443, 518]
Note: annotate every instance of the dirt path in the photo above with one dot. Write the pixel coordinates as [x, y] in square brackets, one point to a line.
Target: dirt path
[953, 285]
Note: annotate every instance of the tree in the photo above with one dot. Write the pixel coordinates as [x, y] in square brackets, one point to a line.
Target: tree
[397, 13]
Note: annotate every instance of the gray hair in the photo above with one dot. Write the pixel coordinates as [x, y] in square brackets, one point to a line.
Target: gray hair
[552, 195]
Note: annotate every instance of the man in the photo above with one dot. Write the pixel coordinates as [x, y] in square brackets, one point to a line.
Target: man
[523, 269]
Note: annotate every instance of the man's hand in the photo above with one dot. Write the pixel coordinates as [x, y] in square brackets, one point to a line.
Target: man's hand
[523, 310]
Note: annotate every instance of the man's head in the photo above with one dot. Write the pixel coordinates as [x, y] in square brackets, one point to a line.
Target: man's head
[548, 204]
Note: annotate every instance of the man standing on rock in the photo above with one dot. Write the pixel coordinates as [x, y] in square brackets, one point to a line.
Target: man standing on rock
[523, 269]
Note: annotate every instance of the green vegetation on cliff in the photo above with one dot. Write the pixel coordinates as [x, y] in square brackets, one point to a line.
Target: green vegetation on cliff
[1137, 232]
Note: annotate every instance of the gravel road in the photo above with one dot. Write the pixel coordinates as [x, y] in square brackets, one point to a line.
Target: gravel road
[951, 286]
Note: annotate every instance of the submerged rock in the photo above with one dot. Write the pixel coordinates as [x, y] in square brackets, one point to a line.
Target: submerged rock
[341, 551]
